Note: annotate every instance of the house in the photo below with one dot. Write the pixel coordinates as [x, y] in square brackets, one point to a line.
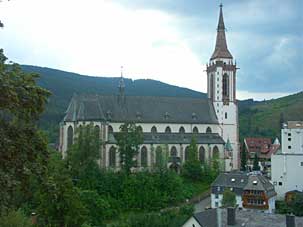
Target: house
[167, 123]
[253, 191]
[287, 163]
[238, 218]
[264, 148]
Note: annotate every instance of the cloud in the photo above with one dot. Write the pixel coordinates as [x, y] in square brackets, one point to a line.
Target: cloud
[167, 40]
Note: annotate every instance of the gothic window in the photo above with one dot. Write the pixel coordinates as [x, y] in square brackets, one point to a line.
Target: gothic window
[186, 154]
[110, 129]
[154, 129]
[143, 156]
[215, 152]
[225, 85]
[112, 156]
[70, 136]
[173, 151]
[158, 155]
[181, 130]
[208, 130]
[97, 131]
[167, 130]
[202, 154]
[195, 130]
[139, 128]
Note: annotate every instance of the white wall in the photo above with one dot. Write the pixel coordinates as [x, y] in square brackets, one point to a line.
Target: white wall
[292, 140]
[220, 198]
[287, 169]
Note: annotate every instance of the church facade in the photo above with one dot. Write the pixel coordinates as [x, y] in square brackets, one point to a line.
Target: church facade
[167, 123]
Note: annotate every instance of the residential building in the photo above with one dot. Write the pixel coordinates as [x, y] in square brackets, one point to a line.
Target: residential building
[287, 164]
[253, 191]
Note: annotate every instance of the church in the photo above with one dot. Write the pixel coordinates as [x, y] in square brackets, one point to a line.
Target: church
[167, 123]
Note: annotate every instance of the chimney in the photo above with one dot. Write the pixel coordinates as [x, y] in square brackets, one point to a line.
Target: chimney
[231, 216]
[290, 220]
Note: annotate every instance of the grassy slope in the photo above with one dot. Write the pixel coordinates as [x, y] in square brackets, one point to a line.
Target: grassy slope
[263, 118]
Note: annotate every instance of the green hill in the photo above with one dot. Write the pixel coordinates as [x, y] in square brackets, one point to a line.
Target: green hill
[265, 118]
[256, 118]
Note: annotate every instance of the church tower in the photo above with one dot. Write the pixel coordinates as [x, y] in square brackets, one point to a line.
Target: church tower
[221, 89]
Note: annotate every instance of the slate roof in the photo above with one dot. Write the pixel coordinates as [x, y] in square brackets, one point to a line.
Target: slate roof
[147, 109]
[176, 138]
[207, 218]
[262, 184]
[236, 180]
[221, 50]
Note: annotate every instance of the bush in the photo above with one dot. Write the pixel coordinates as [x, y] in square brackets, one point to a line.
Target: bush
[15, 219]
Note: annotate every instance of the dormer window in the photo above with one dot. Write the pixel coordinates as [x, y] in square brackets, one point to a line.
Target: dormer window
[108, 115]
[194, 116]
[166, 115]
[255, 182]
[138, 115]
[233, 180]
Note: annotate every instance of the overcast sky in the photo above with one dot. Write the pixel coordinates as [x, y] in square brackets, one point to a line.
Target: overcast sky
[166, 40]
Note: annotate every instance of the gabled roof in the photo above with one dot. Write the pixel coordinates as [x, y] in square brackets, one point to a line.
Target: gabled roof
[147, 109]
[260, 183]
[221, 50]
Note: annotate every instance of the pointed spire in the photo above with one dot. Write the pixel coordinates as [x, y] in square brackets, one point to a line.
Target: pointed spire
[121, 87]
[221, 50]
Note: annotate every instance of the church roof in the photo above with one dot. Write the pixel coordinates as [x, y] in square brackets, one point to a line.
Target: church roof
[145, 109]
[176, 138]
[221, 50]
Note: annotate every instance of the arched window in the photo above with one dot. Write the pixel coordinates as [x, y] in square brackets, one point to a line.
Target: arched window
[158, 155]
[202, 154]
[208, 130]
[173, 151]
[154, 129]
[225, 85]
[195, 130]
[97, 131]
[110, 129]
[112, 156]
[186, 154]
[215, 152]
[70, 136]
[143, 156]
[181, 129]
[139, 128]
[167, 129]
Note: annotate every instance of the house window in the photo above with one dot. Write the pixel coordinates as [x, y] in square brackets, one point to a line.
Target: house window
[280, 183]
[301, 163]
[217, 196]
[216, 204]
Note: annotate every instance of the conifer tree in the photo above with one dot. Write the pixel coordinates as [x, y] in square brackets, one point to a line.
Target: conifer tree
[243, 158]
[256, 166]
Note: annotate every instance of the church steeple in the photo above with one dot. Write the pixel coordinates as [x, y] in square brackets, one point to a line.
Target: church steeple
[221, 50]
[121, 88]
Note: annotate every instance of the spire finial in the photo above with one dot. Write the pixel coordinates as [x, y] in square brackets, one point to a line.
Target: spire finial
[221, 5]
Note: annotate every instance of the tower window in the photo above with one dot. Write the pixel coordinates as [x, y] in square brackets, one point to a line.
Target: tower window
[289, 147]
[225, 85]
[289, 139]
[225, 115]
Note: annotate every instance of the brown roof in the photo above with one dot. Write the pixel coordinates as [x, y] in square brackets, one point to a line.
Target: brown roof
[221, 50]
[262, 146]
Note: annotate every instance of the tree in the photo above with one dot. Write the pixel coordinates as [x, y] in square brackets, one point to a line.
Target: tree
[243, 158]
[297, 205]
[23, 148]
[256, 166]
[229, 198]
[58, 201]
[83, 156]
[192, 168]
[128, 140]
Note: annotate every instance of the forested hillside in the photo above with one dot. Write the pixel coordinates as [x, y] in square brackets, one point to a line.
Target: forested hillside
[265, 118]
[256, 118]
